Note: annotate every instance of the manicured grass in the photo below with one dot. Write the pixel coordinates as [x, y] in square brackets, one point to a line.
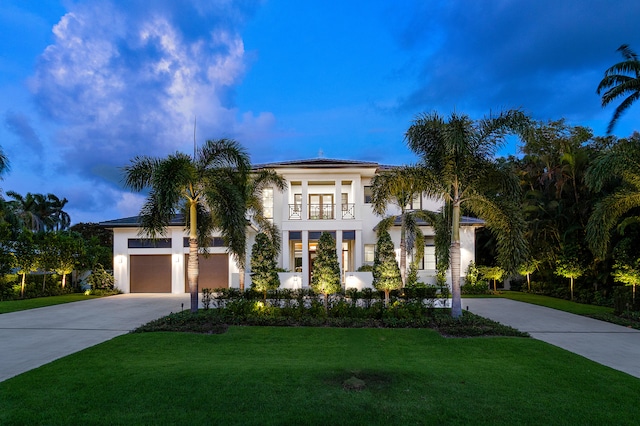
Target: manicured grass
[555, 303]
[284, 375]
[39, 302]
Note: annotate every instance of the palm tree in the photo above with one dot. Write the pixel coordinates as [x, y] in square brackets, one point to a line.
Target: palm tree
[252, 190]
[204, 186]
[621, 80]
[621, 163]
[398, 186]
[4, 162]
[458, 167]
[60, 220]
[26, 210]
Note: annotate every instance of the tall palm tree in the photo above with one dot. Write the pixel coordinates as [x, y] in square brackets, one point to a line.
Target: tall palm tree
[621, 80]
[398, 186]
[619, 164]
[458, 166]
[205, 186]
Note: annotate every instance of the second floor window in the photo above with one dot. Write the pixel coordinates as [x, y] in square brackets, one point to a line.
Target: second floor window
[416, 203]
[368, 194]
[267, 203]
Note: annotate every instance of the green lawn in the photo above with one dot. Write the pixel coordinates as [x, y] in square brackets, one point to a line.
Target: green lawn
[21, 305]
[295, 375]
[555, 303]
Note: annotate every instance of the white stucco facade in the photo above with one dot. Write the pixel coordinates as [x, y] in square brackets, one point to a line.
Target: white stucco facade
[321, 195]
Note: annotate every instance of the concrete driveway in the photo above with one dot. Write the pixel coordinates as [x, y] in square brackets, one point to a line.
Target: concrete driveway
[35, 337]
[608, 344]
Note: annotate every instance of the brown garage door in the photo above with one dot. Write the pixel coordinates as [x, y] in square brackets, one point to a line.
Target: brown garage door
[214, 271]
[151, 274]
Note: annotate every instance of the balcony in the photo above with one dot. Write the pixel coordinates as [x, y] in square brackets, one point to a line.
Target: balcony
[322, 212]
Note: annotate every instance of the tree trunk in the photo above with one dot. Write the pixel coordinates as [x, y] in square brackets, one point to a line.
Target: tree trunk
[529, 282]
[386, 298]
[456, 299]
[495, 288]
[403, 252]
[571, 288]
[44, 280]
[241, 278]
[326, 304]
[24, 276]
[193, 272]
[64, 279]
[193, 269]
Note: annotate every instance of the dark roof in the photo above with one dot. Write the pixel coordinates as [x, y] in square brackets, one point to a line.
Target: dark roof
[317, 163]
[134, 221]
[464, 220]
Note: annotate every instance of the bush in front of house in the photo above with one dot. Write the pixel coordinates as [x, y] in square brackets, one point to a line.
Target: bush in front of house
[408, 308]
[102, 282]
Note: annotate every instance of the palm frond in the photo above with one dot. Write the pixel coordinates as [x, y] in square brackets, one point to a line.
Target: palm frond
[139, 173]
[605, 216]
[504, 221]
[621, 161]
[621, 80]
[222, 153]
[385, 225]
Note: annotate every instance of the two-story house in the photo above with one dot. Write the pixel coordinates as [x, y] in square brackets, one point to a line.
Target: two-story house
[321, 195]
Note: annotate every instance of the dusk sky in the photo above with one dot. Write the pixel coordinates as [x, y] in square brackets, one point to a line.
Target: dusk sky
[87, 85]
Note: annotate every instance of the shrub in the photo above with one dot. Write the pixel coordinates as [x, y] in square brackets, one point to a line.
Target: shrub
[479, 287]
[100, 279]
[622, 299]
[206, 298]
[365, 268]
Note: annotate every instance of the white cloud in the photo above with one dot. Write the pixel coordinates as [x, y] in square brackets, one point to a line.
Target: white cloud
[129, 204]
[123, 83]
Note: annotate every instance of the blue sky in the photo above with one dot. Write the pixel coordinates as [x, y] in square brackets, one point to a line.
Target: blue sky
[88, 85]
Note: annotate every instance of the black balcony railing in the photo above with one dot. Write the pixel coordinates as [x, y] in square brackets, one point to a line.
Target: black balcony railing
[322, 212]
[348, 211]
[295, 212]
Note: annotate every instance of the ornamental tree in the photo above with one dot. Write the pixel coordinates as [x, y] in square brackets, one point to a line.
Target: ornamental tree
[326, 269]
[569, 266]
[386, 272]
[494, 273]
[264, 276]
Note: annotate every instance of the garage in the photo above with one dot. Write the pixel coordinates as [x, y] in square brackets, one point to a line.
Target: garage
[214, 271]
[150, 274]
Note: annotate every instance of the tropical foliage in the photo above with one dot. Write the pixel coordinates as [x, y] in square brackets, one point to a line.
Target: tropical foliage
[621, 80]
[457, 165]
[399, 187]
[251, 190]
[207, 187]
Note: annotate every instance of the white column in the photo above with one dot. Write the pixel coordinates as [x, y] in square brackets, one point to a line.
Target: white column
[121, 260]
[337, 200]
[305, 256]
[358, 198]
[305, 202]
[286, 200]
[359, 249]
[284, 252]
[177, 261]
[339, 250]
